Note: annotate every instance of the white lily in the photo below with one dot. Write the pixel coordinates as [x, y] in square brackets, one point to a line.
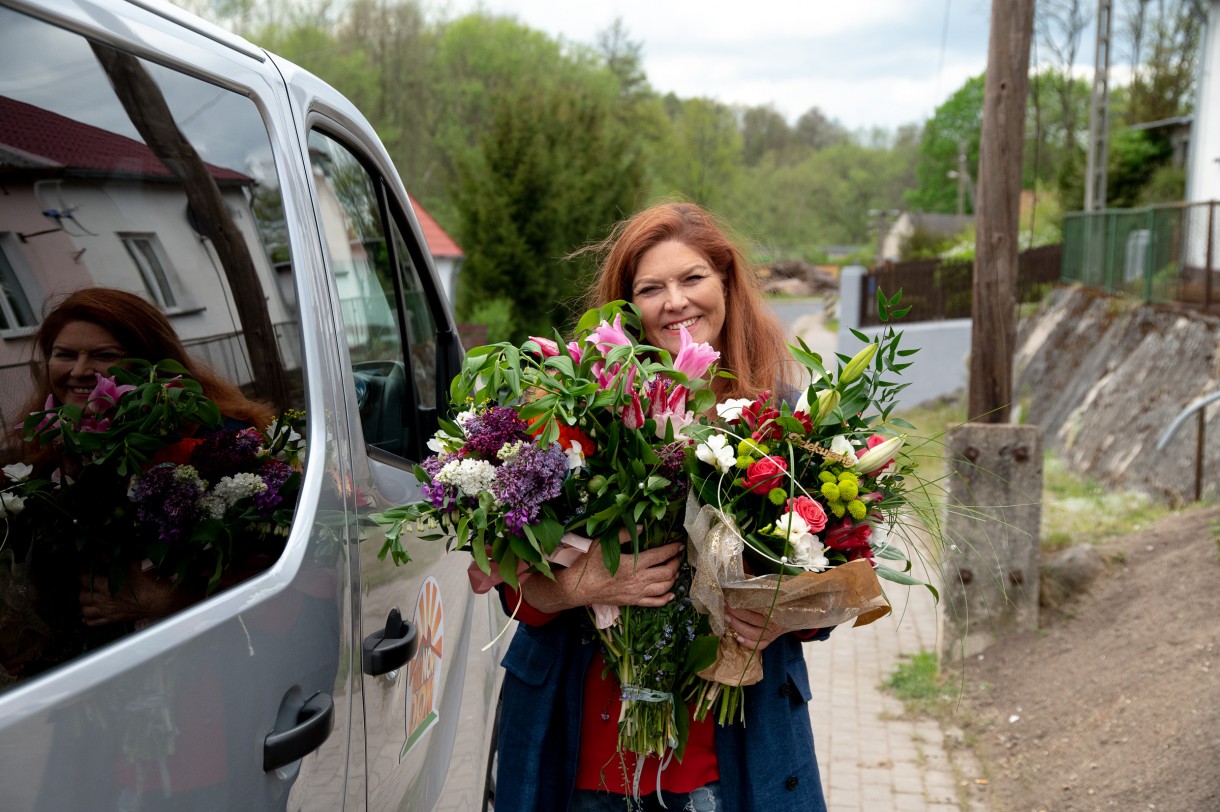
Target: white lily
[878, 455]
[731, 408]
[717, 451]
[843, 447]
[18, 471]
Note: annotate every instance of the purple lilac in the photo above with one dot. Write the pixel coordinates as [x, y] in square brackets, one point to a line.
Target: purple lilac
[274, 474]
[440, 495]
[488, 432]
[534, 476]
[165, 501]
[225, 453]
[673, 458]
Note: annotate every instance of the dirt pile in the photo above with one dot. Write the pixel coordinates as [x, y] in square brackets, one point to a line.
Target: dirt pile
[1115, 702]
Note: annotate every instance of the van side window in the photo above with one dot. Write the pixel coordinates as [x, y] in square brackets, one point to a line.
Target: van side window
[145, 197]
[393, 348]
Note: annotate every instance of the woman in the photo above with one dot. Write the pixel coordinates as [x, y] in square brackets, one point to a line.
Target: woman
[87, 333]
[558, 725]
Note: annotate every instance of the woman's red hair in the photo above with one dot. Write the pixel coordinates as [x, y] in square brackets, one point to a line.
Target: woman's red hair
[752, 342]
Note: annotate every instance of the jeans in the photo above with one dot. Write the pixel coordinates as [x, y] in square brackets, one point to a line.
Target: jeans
[704, 799]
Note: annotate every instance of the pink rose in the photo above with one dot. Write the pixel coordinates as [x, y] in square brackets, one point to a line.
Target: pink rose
[810, 510]
[765, 474]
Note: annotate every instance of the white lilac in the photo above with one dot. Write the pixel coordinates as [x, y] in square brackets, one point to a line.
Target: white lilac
[470, 477]
[228, 492]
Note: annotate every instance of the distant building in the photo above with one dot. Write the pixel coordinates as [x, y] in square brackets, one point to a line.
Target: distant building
[446, 253]
[937, 225]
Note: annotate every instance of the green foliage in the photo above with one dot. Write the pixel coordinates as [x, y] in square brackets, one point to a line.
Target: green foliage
[1135, 156]
[918, 684]
[497, 315]
[955, 124]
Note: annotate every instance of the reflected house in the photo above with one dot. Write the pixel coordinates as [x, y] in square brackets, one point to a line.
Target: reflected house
[447, 255]
[82, 206]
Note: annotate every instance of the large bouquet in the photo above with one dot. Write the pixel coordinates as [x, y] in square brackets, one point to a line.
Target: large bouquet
[583, 439]
[791, 506]
[147, 475]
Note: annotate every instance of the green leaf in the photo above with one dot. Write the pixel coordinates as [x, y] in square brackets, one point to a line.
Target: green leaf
[896, 576]
[701, 653]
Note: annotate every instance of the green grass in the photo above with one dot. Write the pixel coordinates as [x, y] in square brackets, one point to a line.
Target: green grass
[918, 684]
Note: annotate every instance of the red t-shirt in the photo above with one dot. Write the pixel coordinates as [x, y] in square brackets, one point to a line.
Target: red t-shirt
[599, 766]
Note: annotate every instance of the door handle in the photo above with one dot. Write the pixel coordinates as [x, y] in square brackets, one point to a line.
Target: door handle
[391, 648]
[300, 728]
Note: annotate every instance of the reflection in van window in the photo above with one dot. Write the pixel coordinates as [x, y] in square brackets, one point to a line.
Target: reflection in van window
[383, 301]
[126, 242]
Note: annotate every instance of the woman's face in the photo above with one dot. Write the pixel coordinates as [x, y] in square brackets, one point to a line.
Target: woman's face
[81, 349]
[676, 287]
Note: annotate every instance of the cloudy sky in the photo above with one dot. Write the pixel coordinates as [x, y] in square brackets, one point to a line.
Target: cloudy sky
[865, 62]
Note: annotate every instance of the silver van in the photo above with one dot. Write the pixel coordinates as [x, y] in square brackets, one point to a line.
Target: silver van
[144, 149]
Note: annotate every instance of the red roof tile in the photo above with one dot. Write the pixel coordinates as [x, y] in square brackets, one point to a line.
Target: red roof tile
[55, 140]
[439, 242]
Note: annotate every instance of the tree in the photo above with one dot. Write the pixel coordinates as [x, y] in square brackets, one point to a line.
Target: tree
[550, 173]
[702, 155]
[817, 131]
[763, 130]
[954, 126]
[1164, 52]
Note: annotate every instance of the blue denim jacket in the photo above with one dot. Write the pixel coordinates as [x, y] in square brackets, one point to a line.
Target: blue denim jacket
[766, 764]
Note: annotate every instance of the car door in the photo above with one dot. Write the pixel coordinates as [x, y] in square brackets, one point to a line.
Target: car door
[427, 719]
[243, 700]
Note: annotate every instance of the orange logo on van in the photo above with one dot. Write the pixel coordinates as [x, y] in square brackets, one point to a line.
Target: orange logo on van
[424, 669]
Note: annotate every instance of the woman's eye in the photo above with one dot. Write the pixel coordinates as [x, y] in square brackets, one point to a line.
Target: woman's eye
[645, 291]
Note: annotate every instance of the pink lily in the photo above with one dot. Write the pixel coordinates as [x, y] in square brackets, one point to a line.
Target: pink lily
[548, 346]
[575, 351]
[633, 412]
[668, 407]
[50, 421]
[606, 337]
[693, 359]
[106, 394]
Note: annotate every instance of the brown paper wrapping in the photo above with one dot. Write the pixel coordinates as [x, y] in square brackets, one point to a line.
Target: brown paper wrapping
[810, 600]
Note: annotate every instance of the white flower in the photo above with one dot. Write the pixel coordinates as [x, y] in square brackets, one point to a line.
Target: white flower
[576, 455]
[842, 446]
[802, 405]
[807, 549]
[731, 408]
[470, 477]
[225, 493]
[11, 504]
[18, 471]
[717, 451]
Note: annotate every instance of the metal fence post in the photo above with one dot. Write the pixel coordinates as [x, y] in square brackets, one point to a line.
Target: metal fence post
[1207, 272]
[1199, 442]
[1150, 255]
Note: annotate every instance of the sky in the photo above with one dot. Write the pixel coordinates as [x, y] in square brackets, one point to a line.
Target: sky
[867, 63]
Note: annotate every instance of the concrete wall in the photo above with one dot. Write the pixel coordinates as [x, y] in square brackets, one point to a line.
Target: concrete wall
[942, 365]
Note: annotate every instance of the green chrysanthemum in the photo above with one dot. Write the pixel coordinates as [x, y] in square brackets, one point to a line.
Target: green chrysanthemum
[831, 491]
[777, 496]
[857, 509]
[745, 461]
[848, 489]
[837, 508]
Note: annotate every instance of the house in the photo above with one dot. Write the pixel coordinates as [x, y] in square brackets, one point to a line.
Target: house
[907, 223]
[446, 254]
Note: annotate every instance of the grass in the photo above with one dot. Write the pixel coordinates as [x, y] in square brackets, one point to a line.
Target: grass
[917, 683]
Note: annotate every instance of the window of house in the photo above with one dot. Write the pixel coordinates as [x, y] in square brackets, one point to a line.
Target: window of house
[15, 310]
[145, 251]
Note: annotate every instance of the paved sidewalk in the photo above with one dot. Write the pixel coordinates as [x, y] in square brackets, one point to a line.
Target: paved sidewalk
[871, 759]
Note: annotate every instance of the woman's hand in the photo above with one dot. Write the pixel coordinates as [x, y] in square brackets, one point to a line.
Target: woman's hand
[643, 580]
[143, 597]
[753, 629]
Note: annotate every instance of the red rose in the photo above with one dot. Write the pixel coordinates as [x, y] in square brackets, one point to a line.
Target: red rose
[810, 510]
[765, 474]
[178, 453]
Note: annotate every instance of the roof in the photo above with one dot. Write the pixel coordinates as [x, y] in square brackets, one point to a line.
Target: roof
[439, 242]
[35, 137]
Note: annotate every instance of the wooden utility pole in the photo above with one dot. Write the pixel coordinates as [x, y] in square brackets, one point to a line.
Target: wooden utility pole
[1099, 114]
[998, 214]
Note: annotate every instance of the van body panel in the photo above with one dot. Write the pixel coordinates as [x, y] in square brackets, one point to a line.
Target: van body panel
[112, 728]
